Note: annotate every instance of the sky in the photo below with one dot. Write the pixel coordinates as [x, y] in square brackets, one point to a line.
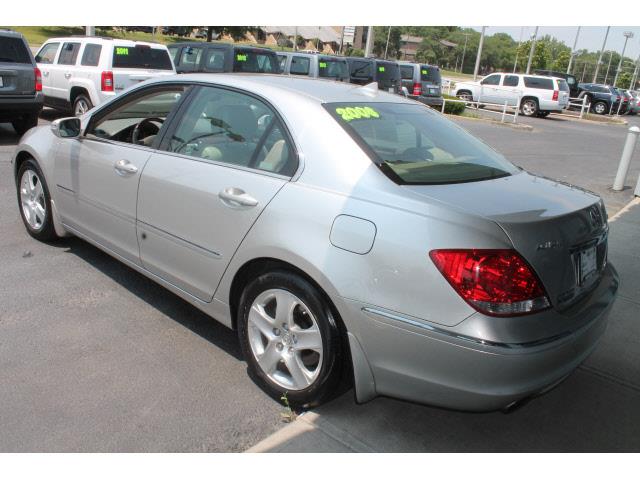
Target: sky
[590, 38]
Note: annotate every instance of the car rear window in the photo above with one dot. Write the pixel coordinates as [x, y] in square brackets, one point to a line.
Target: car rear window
[255, 61]
[430, 74]
[13, 50]
[563, 85]
[361, 69]
[141, 56]
[300, 65]
[406, 72]
[387, 72]
[414, 145]
[537, 82]
[332, 68]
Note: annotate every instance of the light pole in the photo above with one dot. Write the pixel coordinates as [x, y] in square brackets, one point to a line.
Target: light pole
[606, 75]
[369, 45]
[604, 44]
[475, 70]
[531, 50]
[573, 52]
[635, 74]
[627, 36]
[386, 48]
[464, 50]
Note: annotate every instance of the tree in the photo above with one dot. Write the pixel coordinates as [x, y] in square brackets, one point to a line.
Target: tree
[624, 80]
[561, 61]
[380, 41]
[541, 56]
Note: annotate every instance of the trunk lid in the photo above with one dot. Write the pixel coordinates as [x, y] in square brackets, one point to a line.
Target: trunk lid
[560, 229]
[17, 79]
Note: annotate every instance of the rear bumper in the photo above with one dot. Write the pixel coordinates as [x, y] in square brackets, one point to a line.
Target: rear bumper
[417, 361]
[12, 108]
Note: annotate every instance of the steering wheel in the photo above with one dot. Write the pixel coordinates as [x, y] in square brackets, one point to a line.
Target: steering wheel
[142, 123]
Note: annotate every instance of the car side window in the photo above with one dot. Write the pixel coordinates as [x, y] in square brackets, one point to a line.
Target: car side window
[190, 57]
[91, 55]
[510, 80]
[214, 60]
[541, 83]
[69, 53]
[173, 53]
[491, 80]
[234, 128]
[406, 71]
[300, 66]
[362, 69]
[283, 62]
[47, 54]
[138, 120]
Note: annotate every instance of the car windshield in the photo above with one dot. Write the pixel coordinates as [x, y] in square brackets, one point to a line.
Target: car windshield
[13, 50]
[255, 61]
[332, 68]
[141, 56]
[430, 74]
[415, 145]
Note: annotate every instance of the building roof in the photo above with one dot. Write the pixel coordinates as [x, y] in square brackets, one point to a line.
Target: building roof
[410, 39]
[325, 34]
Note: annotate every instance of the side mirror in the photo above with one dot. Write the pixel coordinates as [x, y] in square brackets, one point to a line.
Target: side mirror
[66, 127]
[405, 91]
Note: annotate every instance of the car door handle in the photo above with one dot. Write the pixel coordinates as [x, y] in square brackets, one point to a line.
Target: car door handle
[67, 76]
[234, 197]
[124, 167]
[45, 73]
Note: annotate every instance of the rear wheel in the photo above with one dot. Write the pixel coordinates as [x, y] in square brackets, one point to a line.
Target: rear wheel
[465, 95]
[290, 339]
[529, 107]
[600, 108]
[34, 201]
[25, 123]
[81, 105]
[543, 114]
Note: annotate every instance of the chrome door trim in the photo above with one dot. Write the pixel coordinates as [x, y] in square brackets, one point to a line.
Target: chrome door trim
[179, 241]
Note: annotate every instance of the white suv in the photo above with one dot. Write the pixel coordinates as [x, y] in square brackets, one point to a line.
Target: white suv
[536, 95]
[81, 72]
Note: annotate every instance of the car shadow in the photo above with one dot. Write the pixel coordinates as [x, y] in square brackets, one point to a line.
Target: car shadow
[155, 295]
[8, 135]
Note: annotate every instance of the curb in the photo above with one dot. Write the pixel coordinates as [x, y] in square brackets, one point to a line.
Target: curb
[515, 126]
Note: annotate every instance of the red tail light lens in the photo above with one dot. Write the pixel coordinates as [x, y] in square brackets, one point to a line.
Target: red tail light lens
[38, 85]
[555, 95]
[417, 89]
[494, 282]
[106, 82]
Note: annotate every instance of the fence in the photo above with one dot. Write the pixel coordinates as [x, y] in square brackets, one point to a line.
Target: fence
[503, 112]
[577, 102]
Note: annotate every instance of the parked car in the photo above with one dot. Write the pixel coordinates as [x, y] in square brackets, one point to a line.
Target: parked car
[634, 107]
[625, 99]
[536, 95]
[423, 82]
[384, 244]
[190, 57]
[604, 99]
[314, 65]
[368, 70]
[79, 73]
[20, 83]
[572, 81]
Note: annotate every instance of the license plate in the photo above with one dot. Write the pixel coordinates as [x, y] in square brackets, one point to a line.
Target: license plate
[588, 263]
[433, 90]
[1, 82]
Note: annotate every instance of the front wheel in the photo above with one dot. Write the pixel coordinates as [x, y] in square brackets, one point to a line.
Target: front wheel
[600, 108]
[34, 201]
[529, 107]
[81, 105]
[290, 339]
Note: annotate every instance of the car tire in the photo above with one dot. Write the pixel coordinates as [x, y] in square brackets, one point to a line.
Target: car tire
[529, 107]
[22, 125]
[81, 105]
[465, 95]
[600, 108]
[34, 202]
[272, 348]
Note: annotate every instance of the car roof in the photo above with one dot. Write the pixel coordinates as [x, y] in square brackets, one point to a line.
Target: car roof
[10, 33]
[229, 46]
[120, 41]
[318, 90]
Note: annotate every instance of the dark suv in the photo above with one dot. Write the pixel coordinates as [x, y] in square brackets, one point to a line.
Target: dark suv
[423, 82]
[603, 98]
[572, 81]
[21, 96]
[367, 70]
[191, 57]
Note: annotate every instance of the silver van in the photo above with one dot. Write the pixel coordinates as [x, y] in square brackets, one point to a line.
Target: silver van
[314, 65]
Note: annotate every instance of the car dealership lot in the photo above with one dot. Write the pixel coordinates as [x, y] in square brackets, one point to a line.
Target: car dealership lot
[100, 358]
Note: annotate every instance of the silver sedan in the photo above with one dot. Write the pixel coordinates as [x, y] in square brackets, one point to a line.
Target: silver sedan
[349, 235]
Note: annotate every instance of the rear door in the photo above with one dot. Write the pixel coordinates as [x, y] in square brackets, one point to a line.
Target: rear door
[61, 76]
[45, 59]
[430, 80]
[17, 74]
[133, 64]
[225, 157]
[190, 59]
[406, 77]
[509, 90]
[388, 76]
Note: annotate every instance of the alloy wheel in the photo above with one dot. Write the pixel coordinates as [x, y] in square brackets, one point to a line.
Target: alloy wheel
[529, 107]
[82, 107]
[34, 206]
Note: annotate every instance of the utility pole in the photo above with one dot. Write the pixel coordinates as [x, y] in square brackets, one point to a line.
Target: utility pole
[584, 70]
[475, 70]
[604, 44]
[532, 49]
[369, 45]
[515, 64]
[295, 40]
[573, 52]
[464, 50]
[606, 75]
[90, 31]
[386, 48]
[627, 36]
[635, 74]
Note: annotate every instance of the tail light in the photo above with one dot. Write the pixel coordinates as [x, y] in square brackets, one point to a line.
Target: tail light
[38, 75]
[106, 82]
[417, 89]
[494, 282]
[555, 95]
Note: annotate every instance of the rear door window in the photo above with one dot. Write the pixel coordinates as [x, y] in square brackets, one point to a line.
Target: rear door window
[537, 82]
[214, 60]
[13, 50]
[510, 80]
[190, 57]
[141, 56]
[47, 54]
[300, 65]
[430, 74]
[91, 55]
[255, 61]
[563, 85]
[69, 53]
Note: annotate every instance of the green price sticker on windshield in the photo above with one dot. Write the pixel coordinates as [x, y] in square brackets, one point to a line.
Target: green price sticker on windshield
[241, 57]
[381, 69]
[351, 113]
[424, 72]
[122, 51]
[322, 64]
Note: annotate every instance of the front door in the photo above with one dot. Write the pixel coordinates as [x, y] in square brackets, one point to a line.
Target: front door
[489, 88]
[224, 159]
[45, 58]
[97, 175]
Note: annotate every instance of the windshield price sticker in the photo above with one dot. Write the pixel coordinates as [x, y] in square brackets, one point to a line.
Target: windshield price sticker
[241, 57]
[424, 71]
[122, 51]
[351, 113]
[381, 69]
[323, 65]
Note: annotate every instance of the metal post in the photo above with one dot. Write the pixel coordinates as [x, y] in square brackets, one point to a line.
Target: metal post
[464, 50]
[533, 47]
[475, 70]
[595, 75]
[515, 115]
[627, 36]
[627, 153]
[386, 48]
[584, 103]
[573, 52]
[619, 105]
[636, 192]
[504, 111]
[295, 40]
[369, 45]
[90, 31]
[606, 75]
[443, 102]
